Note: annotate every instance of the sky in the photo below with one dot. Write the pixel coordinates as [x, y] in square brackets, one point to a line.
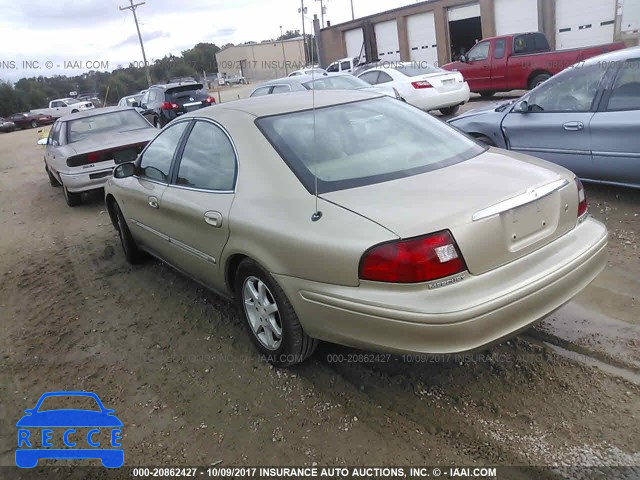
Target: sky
[67, 37]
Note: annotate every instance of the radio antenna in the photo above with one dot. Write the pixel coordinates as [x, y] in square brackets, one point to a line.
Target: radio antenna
[317, 214]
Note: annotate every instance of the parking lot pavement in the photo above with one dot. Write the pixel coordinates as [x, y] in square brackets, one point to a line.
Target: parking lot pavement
[176, 364]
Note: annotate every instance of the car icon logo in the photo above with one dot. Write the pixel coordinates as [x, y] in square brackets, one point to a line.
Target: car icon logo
[62, 428]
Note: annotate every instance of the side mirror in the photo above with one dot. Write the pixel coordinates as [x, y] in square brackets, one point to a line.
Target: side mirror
[522, 107]
[43, 141]
[464, 59]
[124, 170]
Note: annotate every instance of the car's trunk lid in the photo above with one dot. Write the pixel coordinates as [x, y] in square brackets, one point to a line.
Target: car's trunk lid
[441, 81]
[449, 198]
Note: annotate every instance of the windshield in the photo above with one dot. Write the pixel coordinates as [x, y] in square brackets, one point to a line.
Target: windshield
[121, 121]
[414, 70]
[352, 145]
[65, 402]
[344, 82]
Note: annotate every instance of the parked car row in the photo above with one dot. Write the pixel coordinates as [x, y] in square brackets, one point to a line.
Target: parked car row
[334, 213]
[19, 121]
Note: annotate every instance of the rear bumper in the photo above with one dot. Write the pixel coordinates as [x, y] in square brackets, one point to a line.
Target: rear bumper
[433, 100]
[88, 180]
[465, 316]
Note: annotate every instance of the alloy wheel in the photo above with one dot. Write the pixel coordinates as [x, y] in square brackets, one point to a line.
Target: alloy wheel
[262, 313]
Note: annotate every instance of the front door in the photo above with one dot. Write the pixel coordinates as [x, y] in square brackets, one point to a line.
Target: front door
[557, 125]
[477, 70]
[142, 195]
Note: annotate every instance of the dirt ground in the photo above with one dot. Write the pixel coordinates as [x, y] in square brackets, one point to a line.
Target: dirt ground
[176, 364]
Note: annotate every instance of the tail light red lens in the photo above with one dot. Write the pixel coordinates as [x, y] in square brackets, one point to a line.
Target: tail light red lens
[582, 198]
[210, 100]
[415, 260]
[421, 84]
[169, 106]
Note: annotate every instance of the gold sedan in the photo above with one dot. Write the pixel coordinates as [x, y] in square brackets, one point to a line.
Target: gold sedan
[356, 219]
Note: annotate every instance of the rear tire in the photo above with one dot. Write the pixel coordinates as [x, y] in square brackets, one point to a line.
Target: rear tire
[34, 124]
[450, 110]
[289, 343]
[487, 94]
[538, 80]
[52, 179]
[131, 251]
[73, 199]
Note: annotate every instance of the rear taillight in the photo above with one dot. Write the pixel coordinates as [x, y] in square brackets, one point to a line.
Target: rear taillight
[421, 84]
[169, 106]
[210, 100]
[582, 198]
[416, 260]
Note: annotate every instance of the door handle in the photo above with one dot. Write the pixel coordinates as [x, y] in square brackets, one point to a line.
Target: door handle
[573, 126]
[213, 218]
[153, 202]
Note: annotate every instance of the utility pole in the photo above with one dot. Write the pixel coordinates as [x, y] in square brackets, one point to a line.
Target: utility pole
[133, 7]
[304, 36]
[322, 11]
[284, 55]
[353, 15]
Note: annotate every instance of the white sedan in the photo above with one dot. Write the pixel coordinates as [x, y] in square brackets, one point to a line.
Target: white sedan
[425, 87]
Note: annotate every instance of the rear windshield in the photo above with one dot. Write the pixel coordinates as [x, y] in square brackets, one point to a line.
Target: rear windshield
[344, 82]
[122, 121]
[416, 70]
[363, 143]
[185, 90]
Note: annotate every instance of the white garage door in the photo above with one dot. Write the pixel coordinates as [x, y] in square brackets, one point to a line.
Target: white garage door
[631, 16]
[464, 12]
[580, 23]
[387, 41]
[354, 41]
[516, 16]
[421, 30]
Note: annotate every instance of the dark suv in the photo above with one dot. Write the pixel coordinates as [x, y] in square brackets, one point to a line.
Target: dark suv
[162, 103]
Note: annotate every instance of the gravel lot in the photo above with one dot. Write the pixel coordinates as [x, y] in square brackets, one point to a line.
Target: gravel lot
[175, 363]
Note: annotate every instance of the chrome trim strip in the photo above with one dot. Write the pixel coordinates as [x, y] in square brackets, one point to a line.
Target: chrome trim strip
[177, 243]
[529, 196]
[618, 154]
[551, 150]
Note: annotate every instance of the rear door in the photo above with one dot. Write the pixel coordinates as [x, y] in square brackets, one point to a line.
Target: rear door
[615, 128]
[196, 204]
[141, 196]
[557, 127]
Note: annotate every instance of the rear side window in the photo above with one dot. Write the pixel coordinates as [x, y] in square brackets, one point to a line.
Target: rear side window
[208, 161]
[370, 77]
[499, 49]
[281, 89]
[345, 82]
[333, 67]
[625, 94]
[155, 163]
[259, 92]
[363, 143]
[345, 66]
[384, 78]
[530, 43]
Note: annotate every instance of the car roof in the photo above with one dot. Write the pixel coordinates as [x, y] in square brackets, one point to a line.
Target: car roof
[615, 56]
[93, 112]
[291, 102]
[167, 86]
[302, 78]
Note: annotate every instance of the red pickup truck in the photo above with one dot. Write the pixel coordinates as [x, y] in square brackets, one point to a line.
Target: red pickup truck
[518, 62]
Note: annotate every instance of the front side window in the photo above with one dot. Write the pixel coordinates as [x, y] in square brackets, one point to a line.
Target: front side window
[625, 94]
[479, 52]
[352, 146]
[281, 89]
[155, 163]
[333, 67]
[259, 92]
[573, 90]
[345, 66]
[208, 161]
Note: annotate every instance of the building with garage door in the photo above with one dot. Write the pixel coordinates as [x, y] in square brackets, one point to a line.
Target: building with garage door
[439, 31]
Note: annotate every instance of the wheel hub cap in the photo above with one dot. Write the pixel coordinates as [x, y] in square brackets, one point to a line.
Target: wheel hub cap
[262, 313]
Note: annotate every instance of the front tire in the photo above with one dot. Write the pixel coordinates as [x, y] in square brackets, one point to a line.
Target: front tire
[131, 251]
[450, 110]
[73, 199]
[272, 323]
[34, 124]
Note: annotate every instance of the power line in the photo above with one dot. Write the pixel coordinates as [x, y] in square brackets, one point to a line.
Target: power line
[133, 7]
